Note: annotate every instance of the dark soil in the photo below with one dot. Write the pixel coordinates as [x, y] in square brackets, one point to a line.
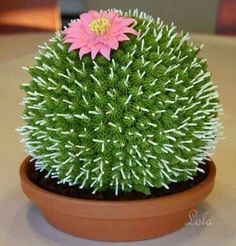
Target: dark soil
[51, 185]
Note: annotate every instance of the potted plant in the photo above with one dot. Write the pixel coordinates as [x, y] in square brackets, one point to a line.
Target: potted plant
[121, 118]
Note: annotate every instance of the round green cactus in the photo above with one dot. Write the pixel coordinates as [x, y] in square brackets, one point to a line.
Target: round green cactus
[145, 119]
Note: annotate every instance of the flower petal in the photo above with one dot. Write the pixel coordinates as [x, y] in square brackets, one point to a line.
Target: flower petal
[113, 43]
[76, 45]
[86, 17]
[111, 15]
[94, 50]
[124, 21]
[73, 47]
[95, 14]
[83, 51]
[105, 51]
[129, 30]
[122, 37]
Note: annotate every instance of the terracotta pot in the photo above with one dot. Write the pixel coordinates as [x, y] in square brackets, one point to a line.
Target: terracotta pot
[117, 220]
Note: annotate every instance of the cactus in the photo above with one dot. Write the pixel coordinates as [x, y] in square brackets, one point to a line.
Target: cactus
[144, 119]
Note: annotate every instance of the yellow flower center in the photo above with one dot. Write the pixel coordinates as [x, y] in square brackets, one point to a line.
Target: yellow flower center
[100, 26]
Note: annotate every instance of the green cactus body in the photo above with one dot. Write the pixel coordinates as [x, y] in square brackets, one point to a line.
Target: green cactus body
[145, 119]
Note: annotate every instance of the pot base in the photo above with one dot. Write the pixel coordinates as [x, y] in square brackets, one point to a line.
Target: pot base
[117, 220]
[122, 231]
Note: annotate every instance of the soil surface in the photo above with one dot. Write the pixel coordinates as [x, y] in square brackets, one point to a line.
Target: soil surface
[51, 185]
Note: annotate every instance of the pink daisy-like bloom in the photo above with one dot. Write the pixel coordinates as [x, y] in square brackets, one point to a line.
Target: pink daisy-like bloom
[98, 32]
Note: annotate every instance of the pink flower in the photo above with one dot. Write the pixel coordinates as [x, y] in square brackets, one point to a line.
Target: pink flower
[98, 32]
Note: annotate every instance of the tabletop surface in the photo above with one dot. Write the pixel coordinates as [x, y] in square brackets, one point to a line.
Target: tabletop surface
[21, 223]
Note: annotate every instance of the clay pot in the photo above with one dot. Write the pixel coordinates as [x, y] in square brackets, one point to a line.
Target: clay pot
[117, 220]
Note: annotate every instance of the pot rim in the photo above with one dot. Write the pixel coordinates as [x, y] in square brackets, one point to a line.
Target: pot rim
[23, 174]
